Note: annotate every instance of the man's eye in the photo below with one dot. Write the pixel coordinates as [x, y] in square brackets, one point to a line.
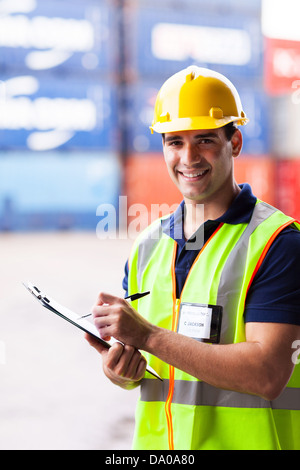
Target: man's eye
[175, 143]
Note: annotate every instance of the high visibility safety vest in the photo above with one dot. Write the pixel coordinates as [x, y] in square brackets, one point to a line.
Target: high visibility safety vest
[181, 412]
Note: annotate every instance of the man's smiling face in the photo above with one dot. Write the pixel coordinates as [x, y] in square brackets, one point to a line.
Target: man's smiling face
[200, 162]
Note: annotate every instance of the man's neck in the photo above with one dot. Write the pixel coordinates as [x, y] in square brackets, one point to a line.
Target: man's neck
[197, 213]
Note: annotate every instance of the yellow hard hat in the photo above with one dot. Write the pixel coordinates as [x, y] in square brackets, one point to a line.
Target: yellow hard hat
[196, 98]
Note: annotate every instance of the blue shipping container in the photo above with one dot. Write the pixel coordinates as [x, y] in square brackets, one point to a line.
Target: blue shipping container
[162, 41]
[68, 35]
[44, 113]
[244, 7]
[142, 96]
[52, 191]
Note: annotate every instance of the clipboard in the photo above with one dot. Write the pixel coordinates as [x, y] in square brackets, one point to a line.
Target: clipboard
[72, 317]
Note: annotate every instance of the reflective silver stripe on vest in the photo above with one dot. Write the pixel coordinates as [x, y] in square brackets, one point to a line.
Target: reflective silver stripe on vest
[201, 394]
[146, 248]
[232, 273]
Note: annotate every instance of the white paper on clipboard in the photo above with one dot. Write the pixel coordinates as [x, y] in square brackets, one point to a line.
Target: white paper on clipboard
[64, 312]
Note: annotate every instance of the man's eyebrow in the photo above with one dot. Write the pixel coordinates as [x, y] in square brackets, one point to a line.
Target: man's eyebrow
[173, 137]
[198, 136]
[205, 136]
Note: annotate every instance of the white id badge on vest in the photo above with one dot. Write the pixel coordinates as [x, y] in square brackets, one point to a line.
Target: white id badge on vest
[201, 322]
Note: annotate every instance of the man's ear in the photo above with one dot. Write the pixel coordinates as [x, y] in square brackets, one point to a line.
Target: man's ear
[236, 143]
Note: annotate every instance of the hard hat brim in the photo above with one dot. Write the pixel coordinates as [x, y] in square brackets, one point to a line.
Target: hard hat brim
[196, 123]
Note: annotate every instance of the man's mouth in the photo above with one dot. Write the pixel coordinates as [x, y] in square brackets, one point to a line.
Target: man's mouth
[196, 174]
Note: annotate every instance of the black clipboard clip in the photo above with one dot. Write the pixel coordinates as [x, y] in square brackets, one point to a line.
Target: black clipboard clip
[72, 318]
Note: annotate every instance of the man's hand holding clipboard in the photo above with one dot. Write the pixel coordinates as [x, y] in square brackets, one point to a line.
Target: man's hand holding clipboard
[131, 360]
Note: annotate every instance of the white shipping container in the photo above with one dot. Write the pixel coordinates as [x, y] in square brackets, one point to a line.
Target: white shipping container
[285, 124]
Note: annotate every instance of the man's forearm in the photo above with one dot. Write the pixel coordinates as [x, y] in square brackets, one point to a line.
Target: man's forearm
[239, 367]
[261, 365]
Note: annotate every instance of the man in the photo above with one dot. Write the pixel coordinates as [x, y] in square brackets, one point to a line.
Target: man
[221, 320]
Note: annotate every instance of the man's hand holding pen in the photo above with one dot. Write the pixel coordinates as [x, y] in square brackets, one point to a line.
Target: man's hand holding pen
[114, 317]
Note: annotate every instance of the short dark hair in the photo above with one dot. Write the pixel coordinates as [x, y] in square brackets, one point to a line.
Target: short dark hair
[229, 130]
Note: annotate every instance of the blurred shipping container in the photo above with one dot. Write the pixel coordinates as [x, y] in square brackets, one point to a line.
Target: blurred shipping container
[288, 187]
[42, 112]
[212, 6]
[141, 97]
[161, 41]
[67, 36]
[260, 173]
[282, 65]
[148, 185]
[285, 125]
[56, 190]
[58, 90]
[280, 27]
[256, 133]
[280, 19]
[78, 82]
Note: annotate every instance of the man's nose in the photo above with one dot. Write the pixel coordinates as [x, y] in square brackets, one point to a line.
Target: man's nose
[190, 155]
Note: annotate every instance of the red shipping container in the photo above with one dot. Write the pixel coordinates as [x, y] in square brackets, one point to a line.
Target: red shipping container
[149, 189]
[147, 180]
[259, 172]
[282, 66]
[288, 187]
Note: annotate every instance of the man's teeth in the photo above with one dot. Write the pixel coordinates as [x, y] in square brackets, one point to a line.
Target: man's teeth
[194, 175]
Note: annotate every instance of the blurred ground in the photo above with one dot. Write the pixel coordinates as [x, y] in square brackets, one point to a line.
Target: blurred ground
[53, 393]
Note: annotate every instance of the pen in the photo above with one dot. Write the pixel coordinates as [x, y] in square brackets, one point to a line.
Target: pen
[137, 296]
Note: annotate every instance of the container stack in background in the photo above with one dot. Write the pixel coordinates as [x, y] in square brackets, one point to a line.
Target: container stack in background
[59, 139]
[280, 25]
[78, 82]
[163, 38]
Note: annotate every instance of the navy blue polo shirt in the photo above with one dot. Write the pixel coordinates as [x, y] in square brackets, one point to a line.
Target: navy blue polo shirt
[274, 295]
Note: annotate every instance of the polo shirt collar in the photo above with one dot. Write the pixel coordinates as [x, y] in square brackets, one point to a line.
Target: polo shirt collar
[239, 212]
